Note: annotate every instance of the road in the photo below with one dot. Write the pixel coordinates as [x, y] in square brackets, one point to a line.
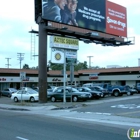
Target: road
[128, 108]
[22, 126]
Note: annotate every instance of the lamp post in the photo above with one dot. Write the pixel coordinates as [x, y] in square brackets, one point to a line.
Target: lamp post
[89, 60]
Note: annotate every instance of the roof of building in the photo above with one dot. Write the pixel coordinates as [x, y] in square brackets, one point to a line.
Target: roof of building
[86, 71]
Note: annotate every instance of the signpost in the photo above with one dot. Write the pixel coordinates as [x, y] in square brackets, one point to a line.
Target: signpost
[64, 51]
[71, 76]
[22, 77]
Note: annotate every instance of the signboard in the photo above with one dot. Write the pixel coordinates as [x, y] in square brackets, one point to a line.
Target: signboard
[93, 76]
[71, 57]
[22, 75]
[97, 15]
[57, 56]
[116, 19]
[63, 42]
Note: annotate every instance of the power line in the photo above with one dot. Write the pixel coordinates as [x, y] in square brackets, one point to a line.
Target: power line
[20, 57]
[89, 61]
[8, 62]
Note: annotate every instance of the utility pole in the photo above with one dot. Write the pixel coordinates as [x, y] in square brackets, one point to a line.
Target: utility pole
[20, 57]
[8, 62]
[89, 61]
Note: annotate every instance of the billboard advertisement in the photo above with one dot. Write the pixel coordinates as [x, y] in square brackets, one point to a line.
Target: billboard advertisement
[116, 19]
[95, 15]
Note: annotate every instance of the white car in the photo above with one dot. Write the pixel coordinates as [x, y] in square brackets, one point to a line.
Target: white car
[25, 95]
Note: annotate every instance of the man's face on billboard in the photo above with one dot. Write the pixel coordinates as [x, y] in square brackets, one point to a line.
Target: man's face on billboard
[61, 3]
[72, 5]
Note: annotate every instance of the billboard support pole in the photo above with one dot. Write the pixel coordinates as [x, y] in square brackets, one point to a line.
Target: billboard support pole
[42, 62]
[64, 95]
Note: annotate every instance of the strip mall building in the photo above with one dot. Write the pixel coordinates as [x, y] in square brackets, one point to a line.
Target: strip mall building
[121, 76]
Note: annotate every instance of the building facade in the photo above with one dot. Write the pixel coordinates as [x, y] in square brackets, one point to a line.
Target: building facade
[121, 76]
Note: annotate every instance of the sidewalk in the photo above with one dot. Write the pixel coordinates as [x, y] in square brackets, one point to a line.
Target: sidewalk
[65, 111]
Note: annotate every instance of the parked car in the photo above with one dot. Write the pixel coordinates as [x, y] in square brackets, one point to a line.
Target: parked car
[130, 90]
[71, 93]
[137, 87]
[25, 95]
[114, 90]
[101, 89]
[49, 87]
[8, 92]
[25, 88]
[36, 88]
[94, 93]
[0, 94]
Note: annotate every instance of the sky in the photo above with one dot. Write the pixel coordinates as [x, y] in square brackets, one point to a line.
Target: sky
[17, 19]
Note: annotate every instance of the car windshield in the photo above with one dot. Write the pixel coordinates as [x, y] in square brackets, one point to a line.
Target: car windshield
[74, 90]
[86, 88]
[32, 92]
[13, 89]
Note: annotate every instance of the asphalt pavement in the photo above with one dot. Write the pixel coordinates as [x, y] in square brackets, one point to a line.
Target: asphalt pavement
[68, 110]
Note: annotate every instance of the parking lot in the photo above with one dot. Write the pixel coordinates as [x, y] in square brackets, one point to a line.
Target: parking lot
[128, 106]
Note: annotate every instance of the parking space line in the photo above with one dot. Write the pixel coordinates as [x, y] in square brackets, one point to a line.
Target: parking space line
[126, 113]
[21, 138]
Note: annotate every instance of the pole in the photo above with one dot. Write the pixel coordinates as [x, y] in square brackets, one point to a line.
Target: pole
[42, 63]
[8, 62]
[89, 61]
[64, 95]
[71, 76]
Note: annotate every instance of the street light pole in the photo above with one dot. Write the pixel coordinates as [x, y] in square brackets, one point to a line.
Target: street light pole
[89, 61]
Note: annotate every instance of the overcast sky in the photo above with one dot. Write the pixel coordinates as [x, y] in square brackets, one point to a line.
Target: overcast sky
[17, 19]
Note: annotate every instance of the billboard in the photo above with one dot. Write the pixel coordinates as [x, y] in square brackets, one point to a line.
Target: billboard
[116, 19]
[95, 15]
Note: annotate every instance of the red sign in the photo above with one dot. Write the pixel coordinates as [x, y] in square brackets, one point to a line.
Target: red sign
[93, 76]
[116, 19]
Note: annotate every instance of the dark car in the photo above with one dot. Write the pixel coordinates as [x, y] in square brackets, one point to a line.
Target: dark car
[101, 89]
[95, 94]
[0, 94]
[130, 90]
[71, 94]
[8, 92]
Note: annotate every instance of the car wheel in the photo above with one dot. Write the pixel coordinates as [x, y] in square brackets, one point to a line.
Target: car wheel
[53, 99]
[102, 95]
[74, 98]
[116, 93]
[32, 99]
[9, 95]
[128, 93]
[15, 99]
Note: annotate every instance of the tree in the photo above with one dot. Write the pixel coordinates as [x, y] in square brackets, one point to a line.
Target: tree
[25, 66]
[77, 67]
[81, 66]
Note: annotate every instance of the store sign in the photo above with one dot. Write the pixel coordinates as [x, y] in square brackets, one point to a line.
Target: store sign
[93, 76]
[57, 56]
[56, 80]
[63, 42]
[2, 79]
[71, 57]
[26, 79]
[22, 75]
